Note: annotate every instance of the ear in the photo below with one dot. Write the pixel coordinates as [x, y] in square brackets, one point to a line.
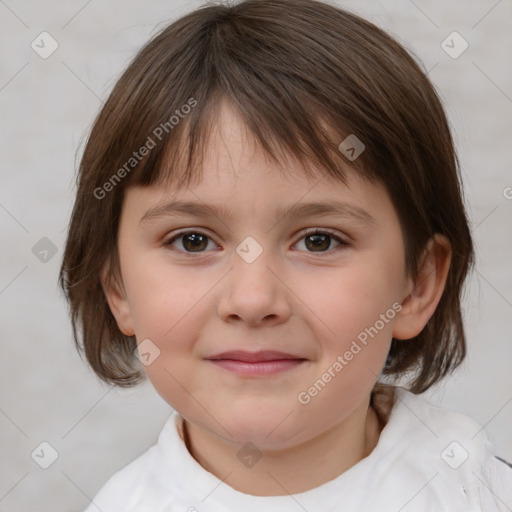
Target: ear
[425, 290]
[117, 301]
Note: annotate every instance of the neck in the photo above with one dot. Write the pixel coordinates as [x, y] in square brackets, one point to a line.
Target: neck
[288, 471]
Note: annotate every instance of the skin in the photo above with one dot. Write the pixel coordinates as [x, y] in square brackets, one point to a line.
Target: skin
[293, 298]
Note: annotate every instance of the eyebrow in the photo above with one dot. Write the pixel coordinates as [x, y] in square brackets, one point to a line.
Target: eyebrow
[298, 210]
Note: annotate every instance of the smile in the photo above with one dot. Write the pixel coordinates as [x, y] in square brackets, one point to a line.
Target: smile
[256, 364]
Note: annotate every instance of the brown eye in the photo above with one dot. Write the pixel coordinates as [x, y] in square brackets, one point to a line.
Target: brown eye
[191, 241]
[320, 241]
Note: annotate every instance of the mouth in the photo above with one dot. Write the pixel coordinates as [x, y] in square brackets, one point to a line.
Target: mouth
[256, 364]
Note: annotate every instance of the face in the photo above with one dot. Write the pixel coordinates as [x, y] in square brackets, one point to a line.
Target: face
[306, 303]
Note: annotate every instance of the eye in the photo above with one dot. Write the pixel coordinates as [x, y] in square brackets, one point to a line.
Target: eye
[196, 241]
[320, 241]
[191, 241]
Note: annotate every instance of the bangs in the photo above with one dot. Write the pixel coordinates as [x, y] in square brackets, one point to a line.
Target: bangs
[297, 134]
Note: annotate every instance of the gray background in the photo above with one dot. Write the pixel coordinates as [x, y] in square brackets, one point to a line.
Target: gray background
[48, 393]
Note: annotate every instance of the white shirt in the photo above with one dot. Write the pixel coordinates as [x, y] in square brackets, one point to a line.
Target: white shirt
[427, 459]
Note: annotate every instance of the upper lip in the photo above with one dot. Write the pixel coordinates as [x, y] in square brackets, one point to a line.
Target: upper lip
[254, 357]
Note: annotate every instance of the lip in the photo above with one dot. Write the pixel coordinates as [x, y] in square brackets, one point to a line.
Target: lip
[254, 357]
[256, 364]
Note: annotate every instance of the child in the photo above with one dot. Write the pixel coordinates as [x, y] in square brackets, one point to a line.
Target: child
[308, 162]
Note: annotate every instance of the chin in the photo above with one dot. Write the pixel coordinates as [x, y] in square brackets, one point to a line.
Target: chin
[267, 429]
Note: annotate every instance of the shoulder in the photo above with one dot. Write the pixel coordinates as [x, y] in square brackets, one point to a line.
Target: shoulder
[121, 490]
[497, 478]
[452, 446]
[128, 487]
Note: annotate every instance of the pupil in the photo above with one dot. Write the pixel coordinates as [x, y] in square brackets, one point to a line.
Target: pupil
[196, 240]
[318, 240]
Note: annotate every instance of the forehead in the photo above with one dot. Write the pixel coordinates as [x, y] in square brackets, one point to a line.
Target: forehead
[232, 158]
[254, 193]
[238, 177]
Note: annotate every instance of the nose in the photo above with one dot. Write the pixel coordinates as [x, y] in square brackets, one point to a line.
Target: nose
[253, 293]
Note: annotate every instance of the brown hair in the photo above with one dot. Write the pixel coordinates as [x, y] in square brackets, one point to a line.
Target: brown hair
[303, 75]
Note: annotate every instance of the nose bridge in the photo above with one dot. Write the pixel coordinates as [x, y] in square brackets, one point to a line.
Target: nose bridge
[254, 292]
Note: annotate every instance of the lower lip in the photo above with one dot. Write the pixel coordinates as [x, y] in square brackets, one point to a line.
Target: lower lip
[257, 369]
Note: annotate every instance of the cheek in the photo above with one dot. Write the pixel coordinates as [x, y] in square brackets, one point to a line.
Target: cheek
[163, 297]
[356, 304]
[354, 298]
[169, 304]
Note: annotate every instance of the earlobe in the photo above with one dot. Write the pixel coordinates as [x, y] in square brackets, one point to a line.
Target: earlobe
[117, 301]
[426, 290]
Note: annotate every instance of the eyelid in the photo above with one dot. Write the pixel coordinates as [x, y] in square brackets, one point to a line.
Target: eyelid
[327, 231]
[200, 231]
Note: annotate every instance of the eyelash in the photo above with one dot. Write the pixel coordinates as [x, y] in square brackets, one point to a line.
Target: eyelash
[315, 231]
